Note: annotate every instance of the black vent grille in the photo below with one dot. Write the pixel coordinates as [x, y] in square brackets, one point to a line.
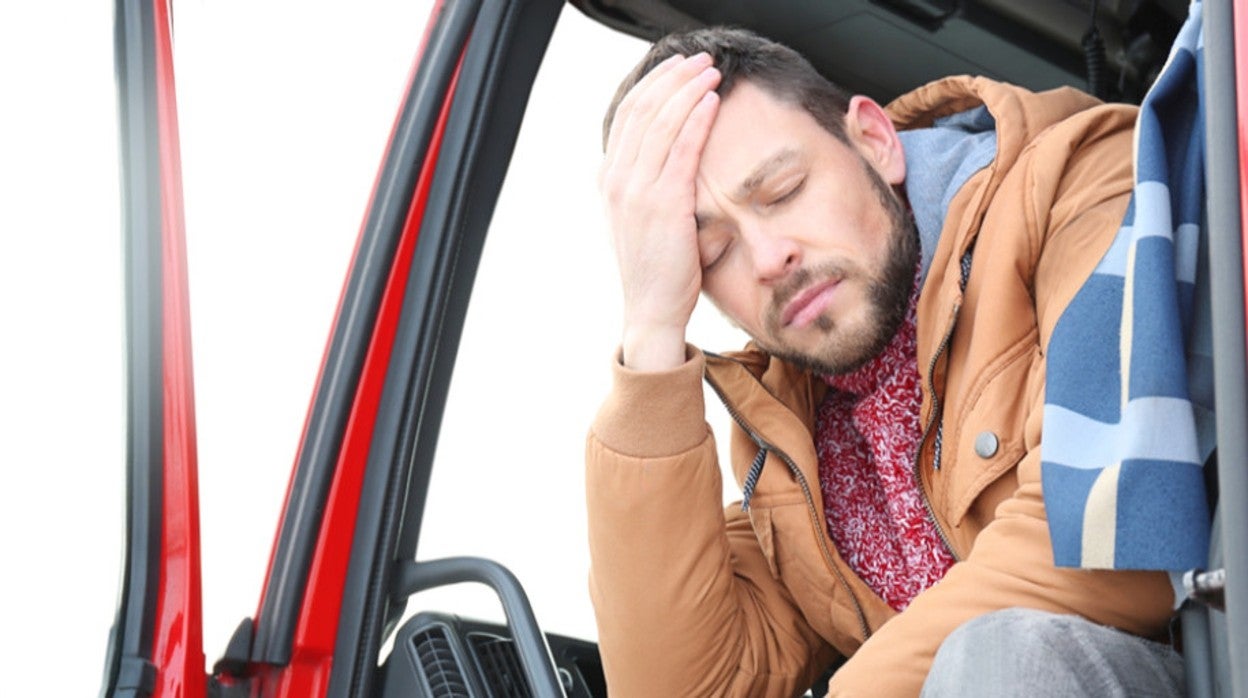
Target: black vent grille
[438, 663]
[500, 666]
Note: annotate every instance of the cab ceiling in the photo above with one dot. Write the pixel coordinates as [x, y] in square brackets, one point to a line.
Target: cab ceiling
[885, 47]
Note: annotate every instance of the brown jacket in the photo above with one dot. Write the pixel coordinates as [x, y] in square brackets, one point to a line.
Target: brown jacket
[693, 599]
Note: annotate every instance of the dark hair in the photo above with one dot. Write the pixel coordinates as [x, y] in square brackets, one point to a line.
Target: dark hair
[739, 54]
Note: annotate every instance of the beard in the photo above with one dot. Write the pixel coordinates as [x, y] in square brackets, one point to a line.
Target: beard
[844, 349]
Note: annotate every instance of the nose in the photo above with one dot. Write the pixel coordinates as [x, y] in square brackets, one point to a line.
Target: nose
[774, 254]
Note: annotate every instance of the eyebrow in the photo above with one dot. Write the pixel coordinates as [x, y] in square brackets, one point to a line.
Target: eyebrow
[750, 184]
[765, 169]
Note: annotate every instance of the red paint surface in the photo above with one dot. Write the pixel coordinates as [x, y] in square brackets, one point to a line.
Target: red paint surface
[341, 296]
[318, 620]
[307, 674]
[178, 649]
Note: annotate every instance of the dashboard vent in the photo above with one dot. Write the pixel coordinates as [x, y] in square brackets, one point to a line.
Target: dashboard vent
[500, 666]
[438, 663]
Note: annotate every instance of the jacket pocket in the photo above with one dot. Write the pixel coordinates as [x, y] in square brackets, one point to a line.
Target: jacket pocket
[826, 591]
[990, 439]
[760, 518]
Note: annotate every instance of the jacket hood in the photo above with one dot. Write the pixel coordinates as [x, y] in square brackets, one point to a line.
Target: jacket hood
[1027, 113]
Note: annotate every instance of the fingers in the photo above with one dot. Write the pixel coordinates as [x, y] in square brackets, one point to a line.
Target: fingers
[625, 108]
[685, 153]
[654, 112]
[662, 138]
[649, 191]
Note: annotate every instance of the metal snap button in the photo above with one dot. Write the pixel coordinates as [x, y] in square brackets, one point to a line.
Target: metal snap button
[986, 444]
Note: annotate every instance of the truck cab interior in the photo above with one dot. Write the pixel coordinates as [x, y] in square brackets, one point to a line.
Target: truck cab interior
[345, 558]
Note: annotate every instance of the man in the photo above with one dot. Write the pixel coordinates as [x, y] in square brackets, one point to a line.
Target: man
[900, 272]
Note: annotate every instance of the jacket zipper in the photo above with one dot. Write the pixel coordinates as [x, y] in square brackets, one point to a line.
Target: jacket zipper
[935, 414]
[810, 503]
[931, 381]
[931, 419]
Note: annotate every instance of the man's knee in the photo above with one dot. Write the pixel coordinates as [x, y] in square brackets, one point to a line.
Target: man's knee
[1011, 631]
[1026, 652]
[977, 648]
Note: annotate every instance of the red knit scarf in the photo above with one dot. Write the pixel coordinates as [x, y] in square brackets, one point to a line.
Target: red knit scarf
[867, 437]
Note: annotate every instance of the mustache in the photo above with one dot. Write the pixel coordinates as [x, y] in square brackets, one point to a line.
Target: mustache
[801, 279]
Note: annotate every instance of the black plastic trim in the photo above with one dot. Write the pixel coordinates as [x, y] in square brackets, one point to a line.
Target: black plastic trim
[534, 651]
[128, 670]
[137, 677]
[1226, 256]
[616, 15]
[468, 650]
[500, 61]
[353, 330]
[234, 661]
[1035, 43]
[934, 20]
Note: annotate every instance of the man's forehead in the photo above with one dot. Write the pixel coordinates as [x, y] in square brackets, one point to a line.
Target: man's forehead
[756, 136]
[769, 165]
[741, 173]
[751, 129]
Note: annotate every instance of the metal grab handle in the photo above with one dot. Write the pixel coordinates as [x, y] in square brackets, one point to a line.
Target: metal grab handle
[1208, 588]
[539, 666]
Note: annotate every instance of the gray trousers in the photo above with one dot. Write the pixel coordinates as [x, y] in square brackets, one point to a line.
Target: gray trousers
[1024, 652]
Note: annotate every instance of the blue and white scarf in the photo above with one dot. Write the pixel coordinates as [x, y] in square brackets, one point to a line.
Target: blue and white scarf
[1128, 420]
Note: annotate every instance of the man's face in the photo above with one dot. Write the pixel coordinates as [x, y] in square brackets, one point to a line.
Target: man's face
[803, 244]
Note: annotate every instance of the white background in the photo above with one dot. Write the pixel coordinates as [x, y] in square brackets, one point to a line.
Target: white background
[285, 108]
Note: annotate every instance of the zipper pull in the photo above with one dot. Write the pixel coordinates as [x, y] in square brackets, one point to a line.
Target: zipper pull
[751, 477]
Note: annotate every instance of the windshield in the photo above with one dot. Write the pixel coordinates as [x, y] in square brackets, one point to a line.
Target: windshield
[282, 136]
[283, 119]
[281, 141]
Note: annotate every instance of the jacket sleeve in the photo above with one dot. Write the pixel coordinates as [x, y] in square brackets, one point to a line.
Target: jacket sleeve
[684, 599]
[1078, 180]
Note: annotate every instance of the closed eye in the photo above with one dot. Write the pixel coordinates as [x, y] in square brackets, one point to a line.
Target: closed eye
[713, 247]
[790, 194]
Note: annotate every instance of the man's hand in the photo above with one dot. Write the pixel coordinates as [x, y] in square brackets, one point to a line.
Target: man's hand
[647, 181]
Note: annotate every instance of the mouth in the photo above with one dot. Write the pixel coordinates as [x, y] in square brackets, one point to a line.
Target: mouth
[808, 305]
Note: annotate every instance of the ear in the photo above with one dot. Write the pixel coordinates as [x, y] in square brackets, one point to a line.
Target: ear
[871, 131]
